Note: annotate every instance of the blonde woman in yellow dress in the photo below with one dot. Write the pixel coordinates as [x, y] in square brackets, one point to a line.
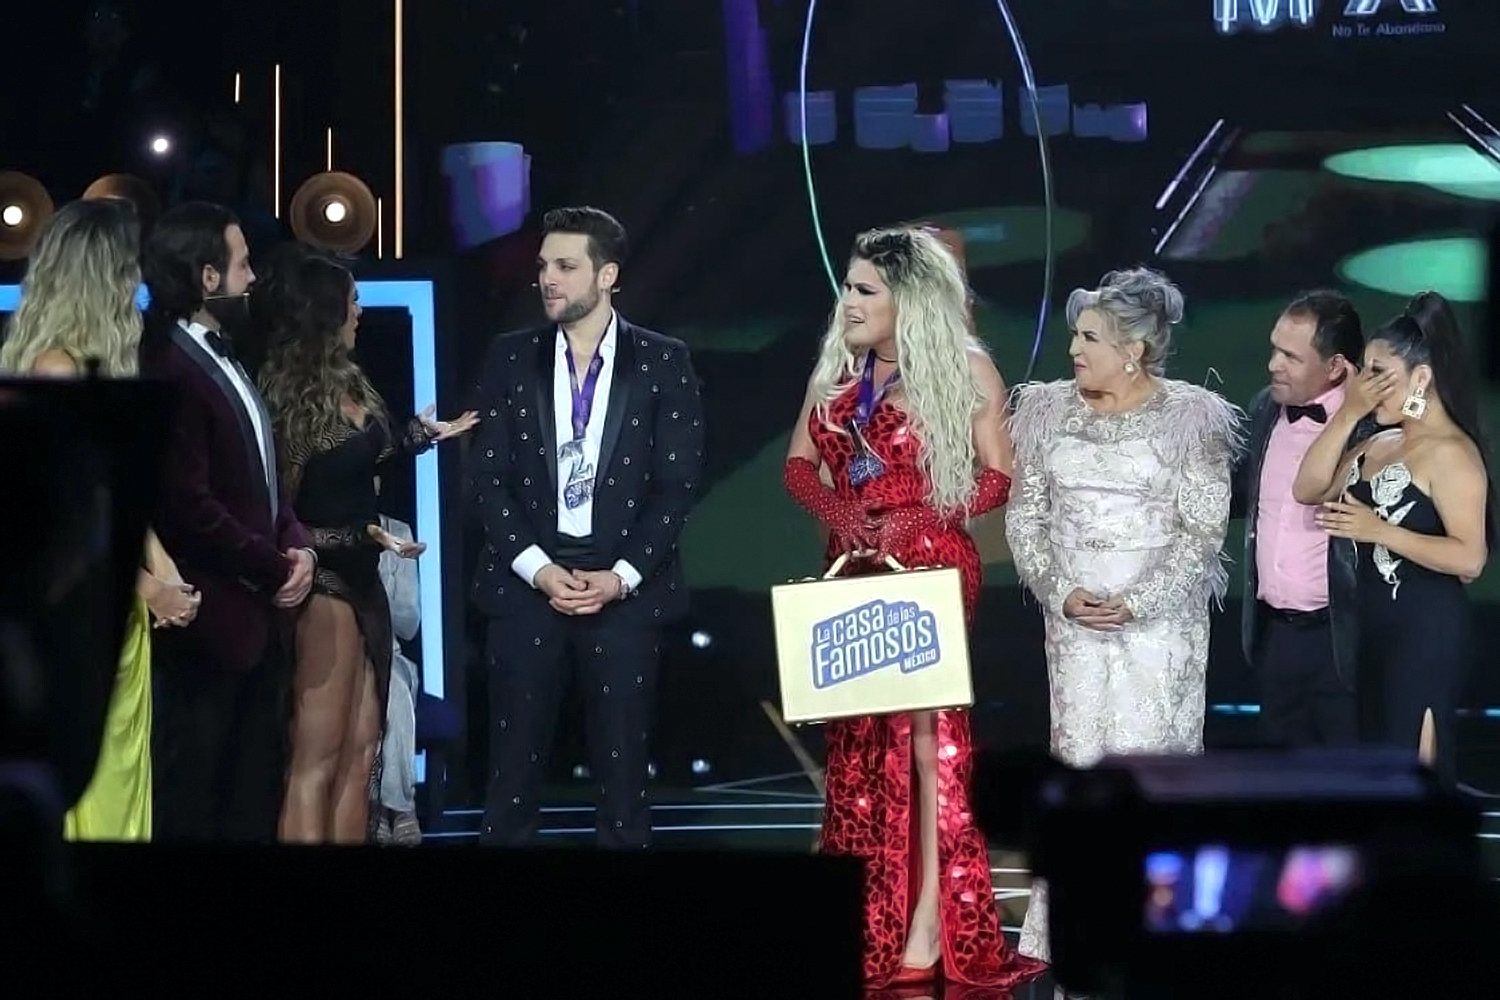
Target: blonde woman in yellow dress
[78, 309]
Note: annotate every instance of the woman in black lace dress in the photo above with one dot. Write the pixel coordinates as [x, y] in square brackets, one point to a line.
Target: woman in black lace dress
[332, 434]
[1417, 501]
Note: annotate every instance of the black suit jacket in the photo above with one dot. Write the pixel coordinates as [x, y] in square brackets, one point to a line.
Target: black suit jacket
[650, 462]
[1261, 417]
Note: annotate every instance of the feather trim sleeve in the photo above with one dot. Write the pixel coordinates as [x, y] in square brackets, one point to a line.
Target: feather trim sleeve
[1200, 436]
[1037, 413]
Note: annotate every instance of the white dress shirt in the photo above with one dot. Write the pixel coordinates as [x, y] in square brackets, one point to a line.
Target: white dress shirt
[247, 393]
[579, 521]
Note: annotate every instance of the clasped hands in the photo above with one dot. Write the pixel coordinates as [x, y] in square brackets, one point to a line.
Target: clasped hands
[889, 535]
[578, 591]
[1097, 613]
[173, 603]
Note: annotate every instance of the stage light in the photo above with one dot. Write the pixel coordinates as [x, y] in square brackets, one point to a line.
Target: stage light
[334, 211]
[129, 188]
[25, 206]
[418, 299]
[702, 640]
[161, 145]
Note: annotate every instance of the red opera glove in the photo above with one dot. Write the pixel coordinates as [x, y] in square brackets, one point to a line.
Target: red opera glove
[901, 530]
[992, 490]
[847, 521]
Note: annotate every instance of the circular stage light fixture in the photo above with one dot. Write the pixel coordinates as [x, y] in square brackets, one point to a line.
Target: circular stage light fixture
[128, 187]
[334, 211]
[1049, 198]
[25, 206]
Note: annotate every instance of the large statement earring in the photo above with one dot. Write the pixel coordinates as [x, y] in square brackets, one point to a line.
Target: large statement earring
[1415, 404]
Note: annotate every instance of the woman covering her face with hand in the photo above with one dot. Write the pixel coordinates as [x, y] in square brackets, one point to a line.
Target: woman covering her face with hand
[1416, 500]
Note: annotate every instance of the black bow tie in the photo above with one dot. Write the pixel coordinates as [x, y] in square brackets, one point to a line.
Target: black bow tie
[1313, 410]
[220, 344]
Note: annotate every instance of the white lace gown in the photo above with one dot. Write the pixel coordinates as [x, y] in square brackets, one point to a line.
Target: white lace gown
[1131, 505]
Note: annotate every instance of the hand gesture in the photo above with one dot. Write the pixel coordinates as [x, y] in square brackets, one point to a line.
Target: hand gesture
[442, 430]
[1348, 518]
[1096, 613]
[1368, 389]
[571, 592]
[393, 543]
[299, 582]
[173, 604]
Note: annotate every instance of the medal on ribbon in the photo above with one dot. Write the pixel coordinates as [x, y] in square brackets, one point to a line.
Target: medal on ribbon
[578, 482]
[866, 465]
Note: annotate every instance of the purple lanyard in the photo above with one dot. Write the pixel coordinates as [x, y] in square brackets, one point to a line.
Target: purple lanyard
[868, 397]
[583, 396]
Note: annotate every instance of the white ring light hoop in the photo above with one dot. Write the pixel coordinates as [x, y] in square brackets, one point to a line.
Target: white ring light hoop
[1048, 196]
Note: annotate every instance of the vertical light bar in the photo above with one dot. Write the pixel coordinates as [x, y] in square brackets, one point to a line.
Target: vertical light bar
[276, 141]
[237, 82]
[417, 297]
[328, 152]
[399, 215]
[380, 229]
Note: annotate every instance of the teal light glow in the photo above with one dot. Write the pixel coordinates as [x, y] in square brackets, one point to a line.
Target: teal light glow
[1452, 168]
[1455, 266]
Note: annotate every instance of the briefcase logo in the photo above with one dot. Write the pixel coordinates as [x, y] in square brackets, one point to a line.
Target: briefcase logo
[873, 637]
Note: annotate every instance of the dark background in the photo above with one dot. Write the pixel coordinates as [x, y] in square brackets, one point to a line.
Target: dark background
[626, 104]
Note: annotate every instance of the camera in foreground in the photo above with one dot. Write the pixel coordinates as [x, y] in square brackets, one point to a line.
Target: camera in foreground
[1209, 875]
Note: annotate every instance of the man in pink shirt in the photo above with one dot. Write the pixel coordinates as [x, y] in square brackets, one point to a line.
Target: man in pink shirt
[1298, 628]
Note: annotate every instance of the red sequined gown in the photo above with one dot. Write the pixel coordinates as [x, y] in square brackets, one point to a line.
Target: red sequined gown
[869, 812]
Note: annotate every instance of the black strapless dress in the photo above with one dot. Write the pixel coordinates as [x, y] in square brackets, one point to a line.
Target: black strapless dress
[1415, 625]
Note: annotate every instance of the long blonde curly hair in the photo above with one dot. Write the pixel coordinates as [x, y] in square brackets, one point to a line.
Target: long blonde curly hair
[79, 293]
[933, 341]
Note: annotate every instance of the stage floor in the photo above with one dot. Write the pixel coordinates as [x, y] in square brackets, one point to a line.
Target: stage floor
[781, 812]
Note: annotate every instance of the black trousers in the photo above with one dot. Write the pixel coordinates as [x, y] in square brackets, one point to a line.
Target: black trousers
[1303, 702]
[614, 659]
[219, 744]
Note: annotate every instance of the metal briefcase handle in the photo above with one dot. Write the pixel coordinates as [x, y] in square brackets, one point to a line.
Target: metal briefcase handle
[843, 560]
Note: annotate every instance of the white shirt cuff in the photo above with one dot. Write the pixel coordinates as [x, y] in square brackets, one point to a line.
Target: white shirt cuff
[530, 562]
[627, 572]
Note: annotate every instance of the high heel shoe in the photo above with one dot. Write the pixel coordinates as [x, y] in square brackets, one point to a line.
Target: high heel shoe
[912, 976]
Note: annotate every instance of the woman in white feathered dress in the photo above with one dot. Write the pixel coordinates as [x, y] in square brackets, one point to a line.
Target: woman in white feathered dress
[1116, 527]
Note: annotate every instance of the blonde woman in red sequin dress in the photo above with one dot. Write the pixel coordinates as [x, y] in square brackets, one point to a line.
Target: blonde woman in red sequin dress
[905, 413]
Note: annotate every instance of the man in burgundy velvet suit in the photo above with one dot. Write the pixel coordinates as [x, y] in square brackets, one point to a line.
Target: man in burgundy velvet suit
[220, 684]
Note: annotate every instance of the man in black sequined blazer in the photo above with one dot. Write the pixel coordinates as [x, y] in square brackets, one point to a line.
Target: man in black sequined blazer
[586, 462]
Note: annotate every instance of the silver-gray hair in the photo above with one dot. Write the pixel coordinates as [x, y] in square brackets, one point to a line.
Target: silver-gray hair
[1141, 307]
